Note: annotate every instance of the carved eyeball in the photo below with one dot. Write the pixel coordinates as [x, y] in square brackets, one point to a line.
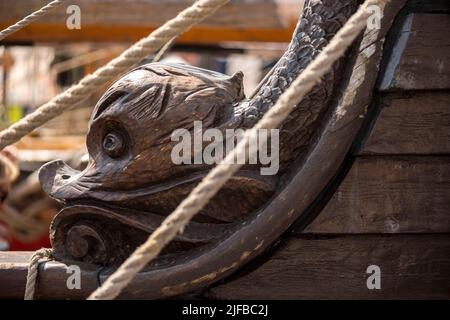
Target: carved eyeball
[113, 144]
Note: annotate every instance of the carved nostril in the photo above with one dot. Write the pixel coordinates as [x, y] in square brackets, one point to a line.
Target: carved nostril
[65, 176]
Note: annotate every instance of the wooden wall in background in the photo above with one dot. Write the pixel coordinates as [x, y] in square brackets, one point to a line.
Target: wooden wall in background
[392, 209]
[106, 20]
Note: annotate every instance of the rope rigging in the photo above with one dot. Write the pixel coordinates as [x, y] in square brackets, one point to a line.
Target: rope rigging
[31, 18]
[153, 42]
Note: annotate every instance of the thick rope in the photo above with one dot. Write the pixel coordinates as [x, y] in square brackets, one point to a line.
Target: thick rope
[30, 18]
[33, 267]
[219, 175]
[64, 101]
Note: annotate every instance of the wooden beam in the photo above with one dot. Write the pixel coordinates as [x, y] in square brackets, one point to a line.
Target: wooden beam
[389, 195]
[412, 267]
[105, 20]
[420, 59]
[52, 280]
[50, 33]
[411, 123]
[241, 14]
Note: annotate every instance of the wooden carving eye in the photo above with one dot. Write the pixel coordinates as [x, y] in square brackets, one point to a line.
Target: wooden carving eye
[113, 144]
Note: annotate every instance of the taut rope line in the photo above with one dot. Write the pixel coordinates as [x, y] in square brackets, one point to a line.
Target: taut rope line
[217, 177]
[30, 18]
[64, 101]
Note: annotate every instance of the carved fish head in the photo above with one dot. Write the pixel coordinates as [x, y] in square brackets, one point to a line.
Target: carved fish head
[129, 137]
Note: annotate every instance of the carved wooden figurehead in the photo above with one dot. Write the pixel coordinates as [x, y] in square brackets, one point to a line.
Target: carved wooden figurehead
[131, 182]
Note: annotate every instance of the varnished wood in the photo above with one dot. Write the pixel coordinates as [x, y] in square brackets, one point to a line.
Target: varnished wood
[389, 195]
[411, 123]
[420, 59]
[412, 267]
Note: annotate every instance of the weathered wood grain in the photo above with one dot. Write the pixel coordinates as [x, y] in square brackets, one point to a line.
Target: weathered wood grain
[421, 55]
[411, 123]
[412, 267]
[389, 195]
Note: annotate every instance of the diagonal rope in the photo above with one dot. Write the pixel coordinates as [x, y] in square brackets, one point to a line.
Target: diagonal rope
[157, 39]
[31, 18]
[218, 176]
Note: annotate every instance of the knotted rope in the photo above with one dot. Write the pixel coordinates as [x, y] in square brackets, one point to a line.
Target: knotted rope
[33, 267]
[30, 18]
[220, 174]
[157, 39]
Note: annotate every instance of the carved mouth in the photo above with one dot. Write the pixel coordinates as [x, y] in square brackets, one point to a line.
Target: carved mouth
[63, 183]
[59, 181]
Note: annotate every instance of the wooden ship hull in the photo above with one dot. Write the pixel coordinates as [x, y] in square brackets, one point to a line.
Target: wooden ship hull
[377, 191]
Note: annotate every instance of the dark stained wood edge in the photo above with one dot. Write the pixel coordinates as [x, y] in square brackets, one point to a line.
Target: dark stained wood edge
[53, 277]
[426, 6]
[412, 267]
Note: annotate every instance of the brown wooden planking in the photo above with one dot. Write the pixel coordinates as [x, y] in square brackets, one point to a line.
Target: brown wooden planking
[412, 267]
[411, 123]
[421, 55]
[389, 195]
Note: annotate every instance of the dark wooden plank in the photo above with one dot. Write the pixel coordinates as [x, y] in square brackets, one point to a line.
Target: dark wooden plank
[411, 123]
[427, 6]
[421, 56]
[412, 267]
[389, 195]
[51, 280]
